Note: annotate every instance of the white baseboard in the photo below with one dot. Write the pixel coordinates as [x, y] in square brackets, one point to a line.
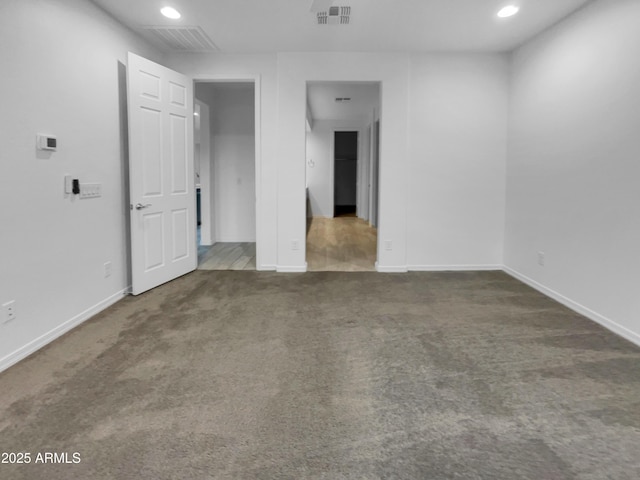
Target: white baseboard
[391, 269]
[266, 268]
[50, 336]
[576, 307]
[452, 268]
[294, 269]
[235, 240]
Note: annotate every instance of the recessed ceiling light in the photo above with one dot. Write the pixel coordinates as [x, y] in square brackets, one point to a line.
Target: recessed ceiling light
[508, 11]
[170, 12]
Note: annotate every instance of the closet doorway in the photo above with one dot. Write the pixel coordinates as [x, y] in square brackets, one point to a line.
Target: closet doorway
[345, 173]
[226, 162]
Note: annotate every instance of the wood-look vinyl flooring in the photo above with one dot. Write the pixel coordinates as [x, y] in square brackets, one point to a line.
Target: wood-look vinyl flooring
[340, 244]
[227, 256]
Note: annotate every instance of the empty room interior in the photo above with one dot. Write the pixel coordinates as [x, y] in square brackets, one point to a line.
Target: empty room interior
[320, 239]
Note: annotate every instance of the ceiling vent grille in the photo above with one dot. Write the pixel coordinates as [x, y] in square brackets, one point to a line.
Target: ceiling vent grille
[335, 16]
[184, 39]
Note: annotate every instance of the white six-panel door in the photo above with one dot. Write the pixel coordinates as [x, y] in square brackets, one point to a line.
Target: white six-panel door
[161, 174]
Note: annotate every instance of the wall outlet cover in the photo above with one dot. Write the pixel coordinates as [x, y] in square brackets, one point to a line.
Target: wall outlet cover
[9, 311]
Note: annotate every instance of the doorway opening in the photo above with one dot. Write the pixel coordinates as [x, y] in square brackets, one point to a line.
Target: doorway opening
[345, 173]
[225, 153]
[341, 175]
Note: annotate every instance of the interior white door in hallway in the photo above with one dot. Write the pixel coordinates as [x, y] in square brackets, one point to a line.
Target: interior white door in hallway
[161, 173]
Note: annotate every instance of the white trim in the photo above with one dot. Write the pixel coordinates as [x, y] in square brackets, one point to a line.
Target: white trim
[366, 165]
[207, 228]
[575, 306]
[391, 269]
[257, 131]
[284, 269]
[452, 268]
[225, 78]
[235, 240]
[375, 159]
[266, 268]
[35, 345]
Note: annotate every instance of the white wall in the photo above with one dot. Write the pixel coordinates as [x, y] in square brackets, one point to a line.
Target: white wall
[319, 145]
[281, 179]
[458, 127]
[232, 140]
[573, 173]
[452, 108]
[264, 68]
[61, 75]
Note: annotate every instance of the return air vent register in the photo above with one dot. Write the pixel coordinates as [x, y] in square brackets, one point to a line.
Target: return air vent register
[182, 38]
[335, 16]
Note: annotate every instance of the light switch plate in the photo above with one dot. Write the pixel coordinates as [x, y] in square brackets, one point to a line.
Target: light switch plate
[90, 190]
[68, 184]
[47, 142]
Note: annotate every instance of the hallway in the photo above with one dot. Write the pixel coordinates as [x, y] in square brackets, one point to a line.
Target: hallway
[341, 244]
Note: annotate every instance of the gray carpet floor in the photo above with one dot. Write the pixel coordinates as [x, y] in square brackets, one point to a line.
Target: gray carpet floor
[254, 375]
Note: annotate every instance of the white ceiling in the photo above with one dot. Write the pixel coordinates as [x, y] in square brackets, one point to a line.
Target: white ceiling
[321, 100]
[238, 26]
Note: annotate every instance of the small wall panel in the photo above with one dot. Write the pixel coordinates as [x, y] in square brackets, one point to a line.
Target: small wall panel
[178, 138]
[153, 241]
[177, 95]
[149, 85]
[180, 228]
[151, 157]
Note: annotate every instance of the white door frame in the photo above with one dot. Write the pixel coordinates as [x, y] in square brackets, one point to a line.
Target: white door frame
[255, 79]
[374, 175]
[363, 211]
[207, 230]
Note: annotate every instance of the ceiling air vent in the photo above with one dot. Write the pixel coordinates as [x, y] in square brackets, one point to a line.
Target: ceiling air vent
[184, 39]
[335, 16]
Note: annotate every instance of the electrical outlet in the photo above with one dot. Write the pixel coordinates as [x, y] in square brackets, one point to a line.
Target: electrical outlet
[9, 310]
[107, 269]
[541, 259]
[388, 245]
[295, 245]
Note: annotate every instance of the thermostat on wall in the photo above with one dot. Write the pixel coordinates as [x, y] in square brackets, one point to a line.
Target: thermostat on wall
[47, 142]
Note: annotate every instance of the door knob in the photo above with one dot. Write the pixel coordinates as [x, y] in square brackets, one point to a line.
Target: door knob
[140, 206]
